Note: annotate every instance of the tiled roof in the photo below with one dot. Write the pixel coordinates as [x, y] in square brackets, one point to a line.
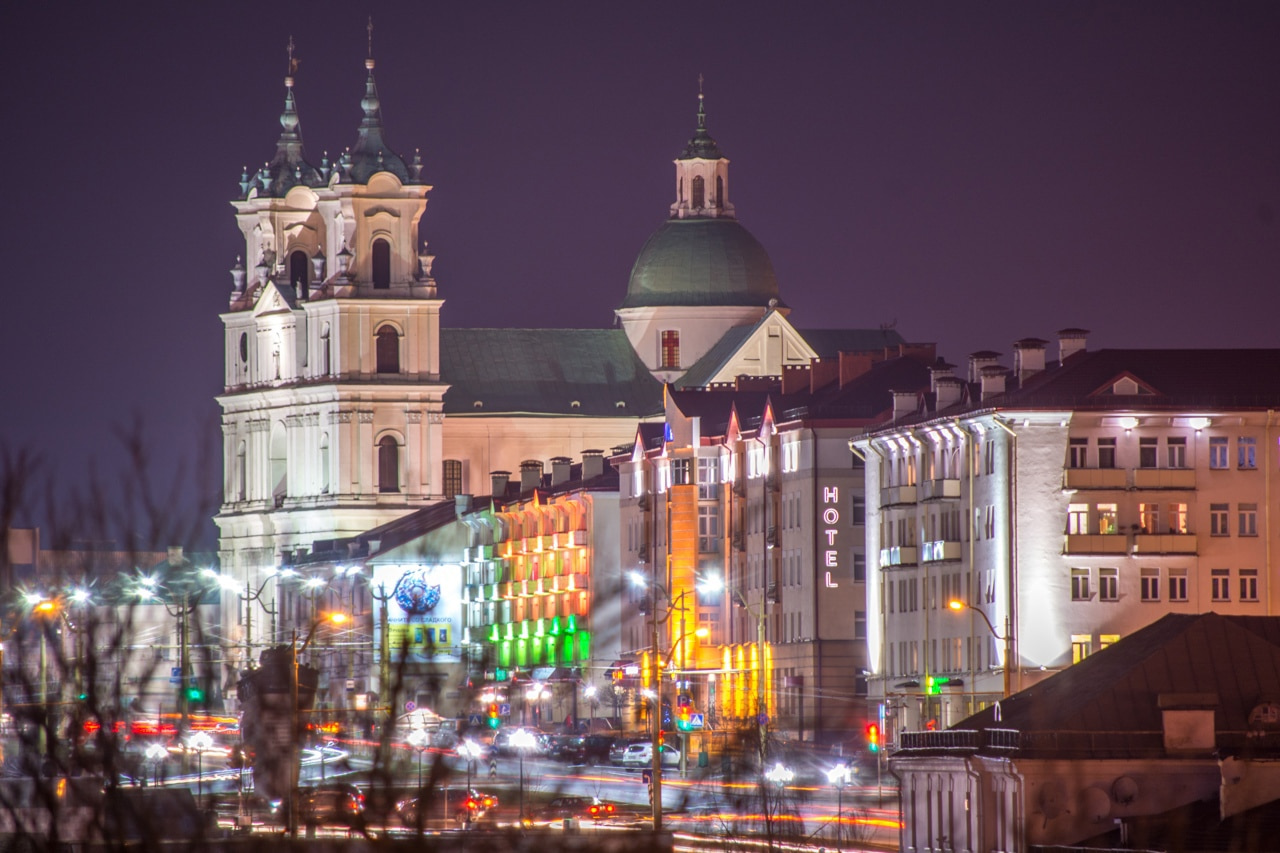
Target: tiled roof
[719, 354]
[545, 371]
[828, 343]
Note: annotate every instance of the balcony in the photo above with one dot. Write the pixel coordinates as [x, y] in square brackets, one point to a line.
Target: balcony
[1094, 478]
[1095, 543]
[1164, 543]
[939, 551]
[934, 490]
[1164, 478]
[899, 555]
[897, 495]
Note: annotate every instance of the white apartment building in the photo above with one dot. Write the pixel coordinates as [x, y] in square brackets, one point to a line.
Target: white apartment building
[1066, 505]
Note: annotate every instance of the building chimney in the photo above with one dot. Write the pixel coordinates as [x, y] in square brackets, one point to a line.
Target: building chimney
[904, 403]
[592, 464]
[822, 372]
[498, 481]
[949, 391]
[992, 378]
[940, 370]
[1028, 357]
[795, 377]
[1070, 342]
[530, 475]
[175, 555]
[854, 364]
[560, 470]
[461, 505]
[980, 359]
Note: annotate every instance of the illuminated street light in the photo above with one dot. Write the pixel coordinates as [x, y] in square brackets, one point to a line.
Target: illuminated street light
[840, 776]
[200, 741]
[470, 751]
[419, 740]
[957, 605]
[522, 741]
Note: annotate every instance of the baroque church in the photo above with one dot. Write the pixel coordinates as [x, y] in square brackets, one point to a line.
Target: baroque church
[347, 404]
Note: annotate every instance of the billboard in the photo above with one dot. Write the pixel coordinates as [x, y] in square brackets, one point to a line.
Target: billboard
[424, 611]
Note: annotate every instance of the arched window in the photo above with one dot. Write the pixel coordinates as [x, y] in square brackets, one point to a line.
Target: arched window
[242, 479]
[388, 464]
[719, 201]
[324, 464]
[381, 263]
[452, 477]
[699, 192]
[299, 272]
[279, 465]
[326, 364]
[388, 347]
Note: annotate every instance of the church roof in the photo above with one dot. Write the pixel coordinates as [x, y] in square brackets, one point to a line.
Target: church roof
[371, 153]
[701, 146]
[702, 262]
[574, 372]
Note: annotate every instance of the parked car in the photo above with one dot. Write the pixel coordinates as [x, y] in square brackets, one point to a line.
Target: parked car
[582, 749]
[336, 803]
[619, 749]
[640, 755]
[502, 742]
[445, 806]
[572, 808]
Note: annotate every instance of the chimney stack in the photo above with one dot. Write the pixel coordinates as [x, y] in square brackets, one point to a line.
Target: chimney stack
[559, 470]
[1070, 342]
[1028, 357]
[175, 555]
[461, 505]
[592, 464]
[948, 390]
[992, 378]
[498, 481]
[530, 475]
[904, 403]
[980, 359]
[940, 370]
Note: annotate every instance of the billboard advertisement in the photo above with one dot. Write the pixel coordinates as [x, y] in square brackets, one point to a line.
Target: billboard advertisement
[424, 612]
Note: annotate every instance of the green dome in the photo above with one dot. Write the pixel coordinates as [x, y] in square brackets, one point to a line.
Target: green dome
[690, 262]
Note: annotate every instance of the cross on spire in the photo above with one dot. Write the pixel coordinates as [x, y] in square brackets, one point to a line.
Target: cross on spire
[293, 63]
[370, 29]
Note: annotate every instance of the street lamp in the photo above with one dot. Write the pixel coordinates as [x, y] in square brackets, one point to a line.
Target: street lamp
[716, 583]
[470, 751]
[521, 740]
[200, 741]
[43, 609]
[296, 758]
[156, 754]
[419, 740]
[958, 605]
[249, 596]
[839, 776]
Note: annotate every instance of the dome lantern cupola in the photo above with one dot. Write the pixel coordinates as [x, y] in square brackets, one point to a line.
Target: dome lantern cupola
[702, 174]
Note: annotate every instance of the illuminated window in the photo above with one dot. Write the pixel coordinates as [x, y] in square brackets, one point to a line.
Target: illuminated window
[1105, 640]
[1248, 584]
[388, 465]
[1108, 584]
[1150, 584]
[1178, 518]
[1080, 585]
[451, 470]
[1177, 584]
[388, 350]
[1248, 517]
[708, 478]
[1107, 519]
[381, 264]
[670, 356]
[1221, 584]
[708, 528]
[1077, 519]
[681, 472]
[1177, 452]
[1081, 645]
[1106, 453]
[1246, 452]
[1218, 520]
[1149, 517]
[1078, 453]
[1218, 452]
[1147, 448]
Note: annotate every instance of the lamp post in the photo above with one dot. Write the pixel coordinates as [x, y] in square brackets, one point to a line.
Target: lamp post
[296, 746]
[839, 777]
[715, 584]
[43, 609]
[521, 740]
[470, 751]
[200, 741]
[249, 597]
[958, 605]
[419, 740]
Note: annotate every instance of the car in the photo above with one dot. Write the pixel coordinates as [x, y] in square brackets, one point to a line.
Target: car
[619, 748]
[582, 749]
[572, 808]
[502, 742]
[640, 755]
[336, 803]
[456, 806]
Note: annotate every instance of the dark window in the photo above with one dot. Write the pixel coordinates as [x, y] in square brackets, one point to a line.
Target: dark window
[858, 510]
[670, 350]
[699, 193]
[299, 267]
[719, 191]
[388, 465]
[381, 264]
[388, 350]
[452, 477]
[1106, 453]
[1147, 452]
[244, 347]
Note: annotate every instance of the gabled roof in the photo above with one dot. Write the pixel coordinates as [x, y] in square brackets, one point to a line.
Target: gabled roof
[572, 372]
[716, 357]
[1233, 658]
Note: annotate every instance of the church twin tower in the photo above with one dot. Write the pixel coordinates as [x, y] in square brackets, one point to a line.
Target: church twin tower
[345, 405]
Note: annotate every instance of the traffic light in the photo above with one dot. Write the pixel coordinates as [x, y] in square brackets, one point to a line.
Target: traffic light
[194, 694]
[682, 721]
[662, 741]
[933, 685]
[873, 737]
[494, 720]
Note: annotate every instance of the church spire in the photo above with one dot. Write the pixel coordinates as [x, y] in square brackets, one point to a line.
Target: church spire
[701, 146]
[289, 167]
[371, 154]
[702, 174]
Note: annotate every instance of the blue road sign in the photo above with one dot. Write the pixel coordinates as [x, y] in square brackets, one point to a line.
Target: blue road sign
[695, 721]
[175, 675]
[504, 710]
[475, 720]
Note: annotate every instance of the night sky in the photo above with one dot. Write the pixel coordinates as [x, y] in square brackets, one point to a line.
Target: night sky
[974, 172]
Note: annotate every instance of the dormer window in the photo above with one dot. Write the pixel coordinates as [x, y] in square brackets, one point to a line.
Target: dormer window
[381, 264]
[388, 350]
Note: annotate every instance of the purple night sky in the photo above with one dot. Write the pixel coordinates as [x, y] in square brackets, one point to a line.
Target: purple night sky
[975, 172]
